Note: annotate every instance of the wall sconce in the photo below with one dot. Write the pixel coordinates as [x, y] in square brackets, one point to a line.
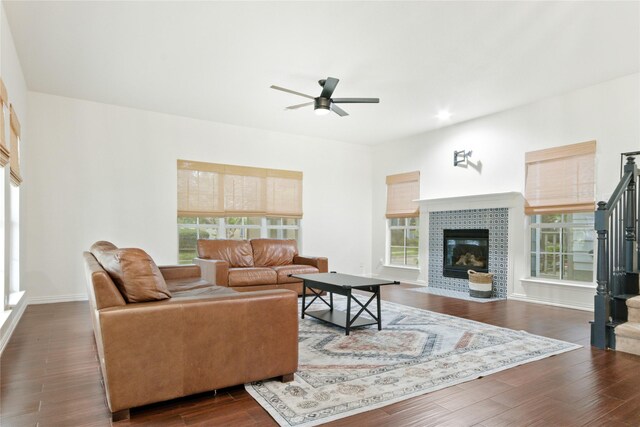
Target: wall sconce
[460, 157]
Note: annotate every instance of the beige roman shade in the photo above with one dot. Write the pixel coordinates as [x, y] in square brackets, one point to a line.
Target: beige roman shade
[402, 190]
[560, 179]
[15, 150]
[4, 150]
[210, 189]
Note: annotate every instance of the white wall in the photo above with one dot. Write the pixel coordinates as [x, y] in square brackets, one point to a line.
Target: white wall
[607, 112]
[108, 172]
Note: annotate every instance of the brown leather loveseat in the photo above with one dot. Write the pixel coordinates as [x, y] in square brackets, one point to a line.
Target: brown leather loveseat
[248, 265]
[163, 332]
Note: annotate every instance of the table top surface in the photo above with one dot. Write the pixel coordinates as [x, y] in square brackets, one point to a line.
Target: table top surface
[344, 280]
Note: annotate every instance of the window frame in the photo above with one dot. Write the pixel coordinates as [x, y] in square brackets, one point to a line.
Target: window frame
[406, 228]
[563, 226]
[222, 227]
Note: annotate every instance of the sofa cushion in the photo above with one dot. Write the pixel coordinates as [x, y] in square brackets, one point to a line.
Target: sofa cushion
[135, 274]
[272, 252]
[252, 276]
[283, 272]
[238, 253]
[195, 288]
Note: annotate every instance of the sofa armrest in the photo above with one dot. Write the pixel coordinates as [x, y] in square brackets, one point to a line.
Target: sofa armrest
[161, 350]
[321, 263]
[214, 271]
[175, 272]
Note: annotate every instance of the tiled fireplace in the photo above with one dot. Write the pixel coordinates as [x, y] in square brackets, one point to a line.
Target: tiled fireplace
[482, 233]
[495, 221]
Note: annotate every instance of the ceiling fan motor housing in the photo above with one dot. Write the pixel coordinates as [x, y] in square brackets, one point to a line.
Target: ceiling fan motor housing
[320, 102]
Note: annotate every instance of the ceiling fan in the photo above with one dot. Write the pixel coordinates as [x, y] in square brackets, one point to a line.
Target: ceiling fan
[324, 103]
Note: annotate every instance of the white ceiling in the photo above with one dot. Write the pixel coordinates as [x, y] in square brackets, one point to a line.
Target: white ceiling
[216, 60]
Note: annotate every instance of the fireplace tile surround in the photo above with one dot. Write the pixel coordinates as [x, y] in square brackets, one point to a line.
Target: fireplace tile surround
[496, 220]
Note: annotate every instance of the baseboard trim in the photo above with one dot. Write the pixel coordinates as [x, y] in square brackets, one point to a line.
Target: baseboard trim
[525, 298]
[11, 322]
[58, 298]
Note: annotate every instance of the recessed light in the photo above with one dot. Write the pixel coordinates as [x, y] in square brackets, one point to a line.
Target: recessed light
[443, 115]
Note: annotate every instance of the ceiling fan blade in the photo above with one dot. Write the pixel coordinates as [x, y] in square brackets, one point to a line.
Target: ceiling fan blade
[329, 86]
[356, 100]
[339, 111]
[293, 107]
[291, 91]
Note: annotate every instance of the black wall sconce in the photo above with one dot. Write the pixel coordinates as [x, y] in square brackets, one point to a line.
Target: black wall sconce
[460, 157]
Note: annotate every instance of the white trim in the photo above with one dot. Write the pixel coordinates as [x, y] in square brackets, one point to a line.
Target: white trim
[525, 298]
[58, 298]
[407, 281]
[535, 280]
[402, 267]
[9, 320]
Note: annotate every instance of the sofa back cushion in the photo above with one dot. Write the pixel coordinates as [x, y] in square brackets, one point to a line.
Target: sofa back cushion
[272, 252]
[135, 274]
[237, 253]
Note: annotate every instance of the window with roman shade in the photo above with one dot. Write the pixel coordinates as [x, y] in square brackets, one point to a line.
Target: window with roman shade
[14, 160]
[218, 190]
[4, 150]
[402, 190]
[560, 179]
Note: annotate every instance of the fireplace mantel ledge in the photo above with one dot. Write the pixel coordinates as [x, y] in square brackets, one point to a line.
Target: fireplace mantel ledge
[511, 199]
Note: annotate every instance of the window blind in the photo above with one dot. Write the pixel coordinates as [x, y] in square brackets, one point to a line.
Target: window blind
[14, 160]
[4, 150]
[560, 179]
[402, 190]
[210, 189]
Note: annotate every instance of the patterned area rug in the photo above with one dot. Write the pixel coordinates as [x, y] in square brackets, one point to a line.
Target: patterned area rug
[453, 294]
[416, 352]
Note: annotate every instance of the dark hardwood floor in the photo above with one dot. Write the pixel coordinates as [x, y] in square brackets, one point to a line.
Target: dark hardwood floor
[50, 376]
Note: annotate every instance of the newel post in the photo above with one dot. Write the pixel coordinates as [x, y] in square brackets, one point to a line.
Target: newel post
[630, 218]
[602, 300]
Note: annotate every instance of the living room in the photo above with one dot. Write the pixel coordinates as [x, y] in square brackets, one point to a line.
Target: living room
[110, 96]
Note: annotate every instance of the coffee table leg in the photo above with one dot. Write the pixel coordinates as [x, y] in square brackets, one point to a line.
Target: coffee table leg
[379, 315]
[331, 299]
[348, 325]
[304, 293]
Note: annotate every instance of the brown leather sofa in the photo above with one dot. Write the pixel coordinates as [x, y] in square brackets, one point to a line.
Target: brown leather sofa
[185, 338]
[258, 264]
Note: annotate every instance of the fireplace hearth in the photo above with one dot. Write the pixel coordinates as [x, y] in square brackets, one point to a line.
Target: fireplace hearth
[465, 249]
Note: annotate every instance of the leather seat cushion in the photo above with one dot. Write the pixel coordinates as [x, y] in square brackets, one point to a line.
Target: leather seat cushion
[238, 253]
[134, 272]
[284, 271]
[252, 276]
[272, 252]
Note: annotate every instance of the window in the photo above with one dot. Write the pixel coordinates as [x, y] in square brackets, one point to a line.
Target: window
[190, 229]
[14, 233]
[560, 200]
[217, 201]
[403, 242]
[402, 219]
[562, 246]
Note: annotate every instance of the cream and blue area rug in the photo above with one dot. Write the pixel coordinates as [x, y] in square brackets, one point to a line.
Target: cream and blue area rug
[416, 352]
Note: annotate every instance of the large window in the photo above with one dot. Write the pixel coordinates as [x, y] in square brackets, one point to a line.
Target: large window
[190, 229]
[217, 201]
[402, 219]
[560, 200]
[562, 246]
[403, 242]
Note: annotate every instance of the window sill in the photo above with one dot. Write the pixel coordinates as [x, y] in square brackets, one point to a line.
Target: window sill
[552, 282]
[401, 267]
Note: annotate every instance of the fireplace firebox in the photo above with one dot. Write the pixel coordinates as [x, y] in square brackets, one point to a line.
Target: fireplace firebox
[465, 250]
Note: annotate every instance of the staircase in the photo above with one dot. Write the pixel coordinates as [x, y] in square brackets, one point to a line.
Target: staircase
[616, 323]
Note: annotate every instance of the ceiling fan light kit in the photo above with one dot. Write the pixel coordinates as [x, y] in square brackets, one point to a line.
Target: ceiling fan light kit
[324, 103]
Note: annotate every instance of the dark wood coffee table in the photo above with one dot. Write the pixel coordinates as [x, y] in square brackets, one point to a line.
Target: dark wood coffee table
[342, 284]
